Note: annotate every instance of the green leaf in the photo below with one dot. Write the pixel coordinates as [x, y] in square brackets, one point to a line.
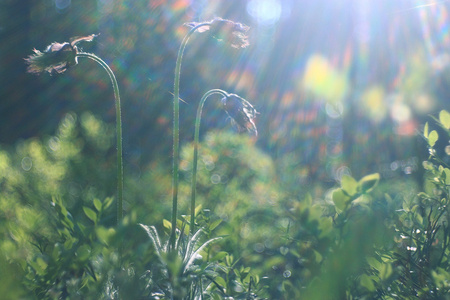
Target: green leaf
[326, 227]
[385, 271]
[229, 260]
[432, 138]
[340, 199]
[406, 206]
[236, 272]
[220, 281]
[406, 219]
[107, 203]
[367, 183]
[68, 244]
[423, 195]
[219, 256]
[105, 234]
[198, 209]
[215, 224]
[57, 250]
[373, 262]
[90, 214]
[419, 218]
[167, 224]
[367, 282]
[349, 184]
[83, 253]
[425, 130]
[427, 165]
[39, 265]
[447, 176]
[444, 118]
[98, 204]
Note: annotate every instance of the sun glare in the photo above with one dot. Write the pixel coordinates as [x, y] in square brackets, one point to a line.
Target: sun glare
[266, 12]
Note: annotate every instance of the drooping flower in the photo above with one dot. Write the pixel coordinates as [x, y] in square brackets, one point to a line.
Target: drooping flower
[232, 33]
[57, 57]
[241, 112]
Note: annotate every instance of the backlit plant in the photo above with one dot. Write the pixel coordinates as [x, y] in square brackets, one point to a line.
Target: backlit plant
[241, 112]
[234, 34]
[56, 59]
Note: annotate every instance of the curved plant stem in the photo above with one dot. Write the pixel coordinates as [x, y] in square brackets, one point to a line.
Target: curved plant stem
[176, 132]
[118, 131]
[196, 142]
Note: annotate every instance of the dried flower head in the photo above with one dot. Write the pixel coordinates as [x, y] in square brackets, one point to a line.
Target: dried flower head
[232, 33]
[57, 57]
[241, 112]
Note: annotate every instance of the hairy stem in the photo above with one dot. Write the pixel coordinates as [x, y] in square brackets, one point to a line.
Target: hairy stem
[118, 131]
[176, 132]
[195, 159]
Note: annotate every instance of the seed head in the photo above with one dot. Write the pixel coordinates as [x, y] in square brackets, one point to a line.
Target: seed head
[241, 112]
[57, 57]
[230, 32]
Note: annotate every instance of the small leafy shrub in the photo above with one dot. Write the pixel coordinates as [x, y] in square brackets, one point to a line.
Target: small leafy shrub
[359, 244]
[57, 236]
[49, 196]
[237, 182]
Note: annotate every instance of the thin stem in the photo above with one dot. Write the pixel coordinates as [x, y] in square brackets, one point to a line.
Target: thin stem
[118, 131]
[196, 142]
[176, 131]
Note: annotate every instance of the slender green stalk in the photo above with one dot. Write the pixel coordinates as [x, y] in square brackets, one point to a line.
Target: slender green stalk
[118, 131]
[196, 142]
[176, 131]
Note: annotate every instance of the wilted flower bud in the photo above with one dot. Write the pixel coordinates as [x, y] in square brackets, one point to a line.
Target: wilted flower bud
[241, 112]
[225, 30]
[57, 57]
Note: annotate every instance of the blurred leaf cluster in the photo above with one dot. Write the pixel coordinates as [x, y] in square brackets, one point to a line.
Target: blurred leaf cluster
[57, 235]
[366, 239]
[371, 238]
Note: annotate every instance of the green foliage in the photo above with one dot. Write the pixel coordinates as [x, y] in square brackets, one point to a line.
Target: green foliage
[363, 245]
[181, 273]
[232, 171]
[48, 189]
[60, 244]
[366, 239]
[237, 183]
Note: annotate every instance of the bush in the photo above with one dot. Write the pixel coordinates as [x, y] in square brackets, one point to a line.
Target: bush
[367, 239]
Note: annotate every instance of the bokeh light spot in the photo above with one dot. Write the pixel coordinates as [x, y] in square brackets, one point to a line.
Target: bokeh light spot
[54, 144]
[215, 179]
[266, 12]
[323, 80]
[400, 112]
[373, 103]
[341, 171]
[62, 4]
[259, 247]
[424, 103]
[287, 274]
[27, 163]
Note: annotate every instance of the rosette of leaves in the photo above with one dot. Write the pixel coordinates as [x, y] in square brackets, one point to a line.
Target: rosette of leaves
[181, 273]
